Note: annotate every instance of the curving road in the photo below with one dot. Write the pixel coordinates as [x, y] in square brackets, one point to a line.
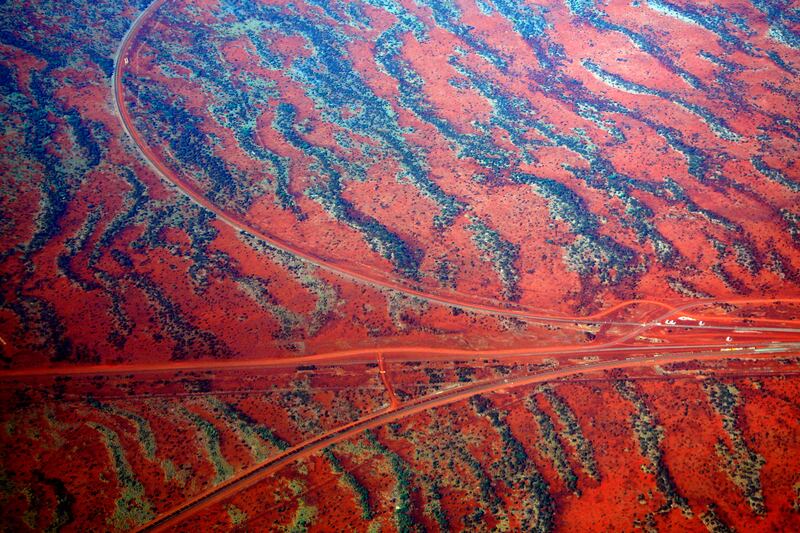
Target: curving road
[399, 410]
[253, 475]
[122, 59]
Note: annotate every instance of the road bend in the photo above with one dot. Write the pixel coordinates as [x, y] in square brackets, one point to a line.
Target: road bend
[122, 58]
[254, 475]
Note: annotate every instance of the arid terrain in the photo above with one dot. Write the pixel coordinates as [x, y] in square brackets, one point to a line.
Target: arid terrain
[400, 266]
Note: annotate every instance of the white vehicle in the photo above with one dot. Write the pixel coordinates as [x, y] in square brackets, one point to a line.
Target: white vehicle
[669, 322]
[686, 318]
[728, 339]
[701, 323]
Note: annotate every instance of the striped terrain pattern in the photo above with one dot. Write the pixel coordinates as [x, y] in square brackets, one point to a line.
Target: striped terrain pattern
[547, 154]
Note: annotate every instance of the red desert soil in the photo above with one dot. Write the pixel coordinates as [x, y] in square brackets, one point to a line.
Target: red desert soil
[399, 266]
